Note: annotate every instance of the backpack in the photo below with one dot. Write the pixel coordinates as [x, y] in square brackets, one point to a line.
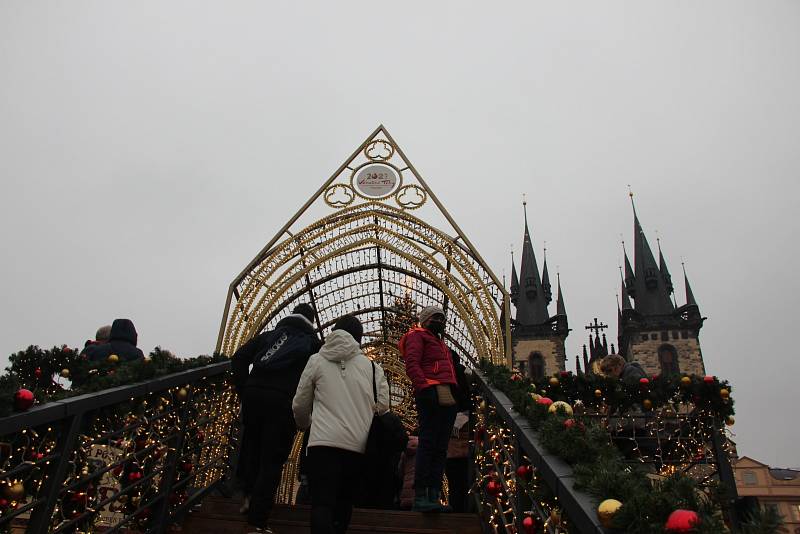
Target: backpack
[282, 348]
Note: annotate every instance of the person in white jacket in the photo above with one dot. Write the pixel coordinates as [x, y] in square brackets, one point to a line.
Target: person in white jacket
[335, 399]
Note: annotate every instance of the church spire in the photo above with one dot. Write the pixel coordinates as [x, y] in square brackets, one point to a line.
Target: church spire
[626, 301]
[629, 282]
[561, 309]
[546, 287]
[514, 281]
[690, 301]
[651, 295]
[532, 303]
[662, 266]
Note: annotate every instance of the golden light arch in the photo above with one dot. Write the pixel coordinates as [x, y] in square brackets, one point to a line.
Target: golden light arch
[374, 254]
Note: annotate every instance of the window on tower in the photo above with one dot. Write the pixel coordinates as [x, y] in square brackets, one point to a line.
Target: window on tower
[668, 359]
[536, 366]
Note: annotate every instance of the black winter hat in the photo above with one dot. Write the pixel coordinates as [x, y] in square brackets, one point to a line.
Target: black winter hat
[305, 310]
[351, 325]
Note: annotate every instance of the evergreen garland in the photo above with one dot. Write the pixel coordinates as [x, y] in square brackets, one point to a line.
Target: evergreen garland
[40, 370]
[599, 467]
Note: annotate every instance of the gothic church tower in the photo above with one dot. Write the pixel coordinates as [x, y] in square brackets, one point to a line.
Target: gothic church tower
[537, 339]
[654, 331]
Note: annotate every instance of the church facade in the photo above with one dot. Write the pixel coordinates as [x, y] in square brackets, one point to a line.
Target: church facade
[653, 330]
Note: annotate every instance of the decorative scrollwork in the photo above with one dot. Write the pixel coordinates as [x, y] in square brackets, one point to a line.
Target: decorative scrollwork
[411, 197]
[379, 150]
[339, 196]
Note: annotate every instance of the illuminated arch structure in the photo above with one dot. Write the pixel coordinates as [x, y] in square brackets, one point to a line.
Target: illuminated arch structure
[370, 253]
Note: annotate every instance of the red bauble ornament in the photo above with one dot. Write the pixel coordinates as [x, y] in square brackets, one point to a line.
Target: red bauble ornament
[516, 378]
[708, 379]
[3, 503]
[200, 436]
[38, 372]
[644, 382]
[524, 472]
[569, 423]
[564, 374]
[546, 401]
[186, 467]
[493, 488]
[134, 476]
[682, 521]
[23, 399]
[529, 524]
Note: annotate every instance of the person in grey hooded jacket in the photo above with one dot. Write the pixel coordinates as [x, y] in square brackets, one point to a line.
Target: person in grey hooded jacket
[335, 399]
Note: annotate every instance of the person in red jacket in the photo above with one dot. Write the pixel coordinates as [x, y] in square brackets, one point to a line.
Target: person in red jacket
[429, 365]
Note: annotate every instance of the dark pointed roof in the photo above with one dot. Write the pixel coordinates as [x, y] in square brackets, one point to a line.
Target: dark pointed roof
[651, 296]
[514, 281]
[626, 301]
[561, 309]
[546, 287]
[630, 280]
[690, 301]
[532, 304]
[662, 266]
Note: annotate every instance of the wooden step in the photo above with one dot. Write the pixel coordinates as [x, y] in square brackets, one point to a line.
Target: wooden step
[221, 515]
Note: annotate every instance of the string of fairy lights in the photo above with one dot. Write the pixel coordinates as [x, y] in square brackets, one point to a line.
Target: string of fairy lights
[132, 460]
[506, 482]
[684, 430]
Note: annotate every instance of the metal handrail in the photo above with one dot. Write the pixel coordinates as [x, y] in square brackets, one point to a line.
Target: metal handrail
[69, 415]
[556, 473]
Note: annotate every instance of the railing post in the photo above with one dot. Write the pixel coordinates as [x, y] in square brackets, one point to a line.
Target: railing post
[162, 516]
[40, 518]
[726, 476]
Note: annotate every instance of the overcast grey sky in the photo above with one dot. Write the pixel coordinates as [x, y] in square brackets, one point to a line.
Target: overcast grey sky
[149, 149]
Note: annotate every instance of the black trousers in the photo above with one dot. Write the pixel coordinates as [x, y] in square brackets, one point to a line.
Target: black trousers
[435, 427]
[334, 476]
[269, 431]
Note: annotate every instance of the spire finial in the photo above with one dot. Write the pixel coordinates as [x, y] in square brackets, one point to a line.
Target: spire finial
[525, 208]
[545, 251]
[630, 194]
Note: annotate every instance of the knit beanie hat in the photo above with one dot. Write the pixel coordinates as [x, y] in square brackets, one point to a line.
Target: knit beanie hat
[305, 310]
[351, 325]
[429, 312]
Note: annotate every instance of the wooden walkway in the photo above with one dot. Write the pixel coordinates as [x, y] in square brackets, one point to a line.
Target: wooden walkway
[219, 515]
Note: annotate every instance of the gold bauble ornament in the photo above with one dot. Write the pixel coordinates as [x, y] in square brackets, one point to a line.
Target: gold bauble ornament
[482, 405]
[560, 405]
[607, 510]
[686, 381]
[113, 358]
[182, 394]
[598, 393]
[554, 381]
[730, 420]
[535, 397]
[65, 373]
[16, 491]
[724, 393]
[647, 404]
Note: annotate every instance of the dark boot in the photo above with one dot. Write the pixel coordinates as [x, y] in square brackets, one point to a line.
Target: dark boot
[423, 501]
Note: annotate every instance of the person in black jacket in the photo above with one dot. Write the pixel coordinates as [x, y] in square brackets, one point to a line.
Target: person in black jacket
[122, 342]
[278, 358]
